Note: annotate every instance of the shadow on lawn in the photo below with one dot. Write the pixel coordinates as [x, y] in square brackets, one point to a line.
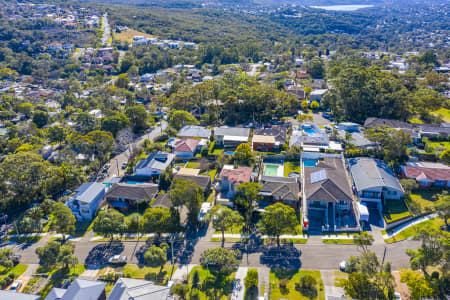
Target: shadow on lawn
[99, 254]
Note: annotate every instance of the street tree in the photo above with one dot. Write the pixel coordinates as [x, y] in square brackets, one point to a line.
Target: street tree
[224, 218]
[246, 198]
[186, 192]
[219, 260]
[40, 118]
[48, 254]
[156, 220]
[445, 156]
[277, 220]
[138, 117]
[156, 256]
[5, 257]
[109, 222]
[443, 209]
[63, 220]
[35, 214]
[66, 255]
[363, 240]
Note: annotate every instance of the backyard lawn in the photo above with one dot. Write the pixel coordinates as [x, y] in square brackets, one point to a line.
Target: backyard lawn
[193, 165]
[291, 277]
[436, 223]
[211, 287]
[395, 210]
[291, 166]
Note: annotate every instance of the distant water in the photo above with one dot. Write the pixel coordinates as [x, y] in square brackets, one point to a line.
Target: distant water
[343, 7]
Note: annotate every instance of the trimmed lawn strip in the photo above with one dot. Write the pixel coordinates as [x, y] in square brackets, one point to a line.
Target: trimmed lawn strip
[436, 223]
[17, 270]
[140, 272]
[338, 241]
[293, 276]
[208, 284]
[193, 165]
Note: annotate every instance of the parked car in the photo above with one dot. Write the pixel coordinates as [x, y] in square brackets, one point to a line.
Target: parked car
[16, 258]
[124, 165]
[342, 265]
[15, 286]
[117, 259]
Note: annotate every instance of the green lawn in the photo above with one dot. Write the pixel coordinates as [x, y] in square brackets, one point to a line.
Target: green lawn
[444, 113]
[292, 276]
[395, 210]
[436, 223]
[338, 241]
[211, 287]
[211, 196]
[236, 228]
[217, 151]
[291, 166]
[212, 174]
[193, 165]
[424, 197]
[28, 239]
[17, 270]
[139, 272]
[415, 121]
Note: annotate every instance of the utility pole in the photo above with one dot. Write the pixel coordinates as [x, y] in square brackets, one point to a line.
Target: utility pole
[117, 166]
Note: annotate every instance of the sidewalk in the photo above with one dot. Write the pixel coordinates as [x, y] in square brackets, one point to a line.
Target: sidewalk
[181, 272]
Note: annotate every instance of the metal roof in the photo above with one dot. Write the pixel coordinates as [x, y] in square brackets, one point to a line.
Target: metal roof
[88, 191]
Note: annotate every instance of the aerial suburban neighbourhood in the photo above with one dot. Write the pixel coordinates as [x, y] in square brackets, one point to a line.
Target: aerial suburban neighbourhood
[224, 150]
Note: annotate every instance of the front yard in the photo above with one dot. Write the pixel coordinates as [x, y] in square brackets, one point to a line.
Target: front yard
[409, 232]
[426, 197]
[282, 283]
[210, 287]
[395, 210]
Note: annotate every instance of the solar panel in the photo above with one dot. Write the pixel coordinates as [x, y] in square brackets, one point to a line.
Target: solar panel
[318, 176]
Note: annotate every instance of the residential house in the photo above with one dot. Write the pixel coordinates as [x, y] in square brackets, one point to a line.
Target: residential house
[136, 289]
[277, 131]
[79, 289]
[279, 189]
[433, 131]
[358, 139]
[186, 148]
[297, 91]
[123, 196]
[229, 179]
[105, 52]
[13, 295]
[317, 95]
[154, 164]
[230, 137]
[194, 131]
[427, 174]
[203, 181]
[327, 197]
[265, 143]
[87, 200]
[374, 181]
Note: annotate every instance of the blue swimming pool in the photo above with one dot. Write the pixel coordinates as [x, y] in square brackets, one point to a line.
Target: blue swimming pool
[309, 163]
[229, 153]
[310, 131]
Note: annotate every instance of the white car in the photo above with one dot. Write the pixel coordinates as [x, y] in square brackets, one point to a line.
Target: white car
[15, 286]
[397, 296]
[117, 259]
[342, 265]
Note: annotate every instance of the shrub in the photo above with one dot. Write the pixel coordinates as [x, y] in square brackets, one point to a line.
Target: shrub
[195, 279]
[194, 294]
[283, 283]
[306, 282]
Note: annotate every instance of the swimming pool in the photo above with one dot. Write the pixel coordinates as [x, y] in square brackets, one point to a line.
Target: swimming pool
[310, 131]
[271, 170]
[309, 163]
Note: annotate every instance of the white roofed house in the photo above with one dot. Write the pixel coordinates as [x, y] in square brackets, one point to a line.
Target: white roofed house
[230, 137]
[87, 200]
[194, 131]
[154, 164]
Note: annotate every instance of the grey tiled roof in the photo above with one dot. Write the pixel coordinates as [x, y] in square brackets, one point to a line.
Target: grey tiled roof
[201, 180]
[370, 173]
[279, 132]
[282, 190]
[336, 186]
[17, 296]
[133, 191]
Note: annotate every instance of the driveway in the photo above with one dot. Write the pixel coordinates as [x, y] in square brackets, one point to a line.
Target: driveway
[238, 286]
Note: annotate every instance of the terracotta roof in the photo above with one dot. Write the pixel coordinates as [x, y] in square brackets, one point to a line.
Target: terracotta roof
[186, 145]
[421, 173]
[241, 174]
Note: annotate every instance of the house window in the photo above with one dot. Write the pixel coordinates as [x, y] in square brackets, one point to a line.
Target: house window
[85, 211]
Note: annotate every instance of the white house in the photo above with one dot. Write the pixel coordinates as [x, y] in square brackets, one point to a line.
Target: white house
[154, 164]
[87, 200]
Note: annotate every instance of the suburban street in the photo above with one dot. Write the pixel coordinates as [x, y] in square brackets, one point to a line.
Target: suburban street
[106, 30]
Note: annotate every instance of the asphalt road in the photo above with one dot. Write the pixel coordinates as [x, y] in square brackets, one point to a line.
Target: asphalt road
[305, 256]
